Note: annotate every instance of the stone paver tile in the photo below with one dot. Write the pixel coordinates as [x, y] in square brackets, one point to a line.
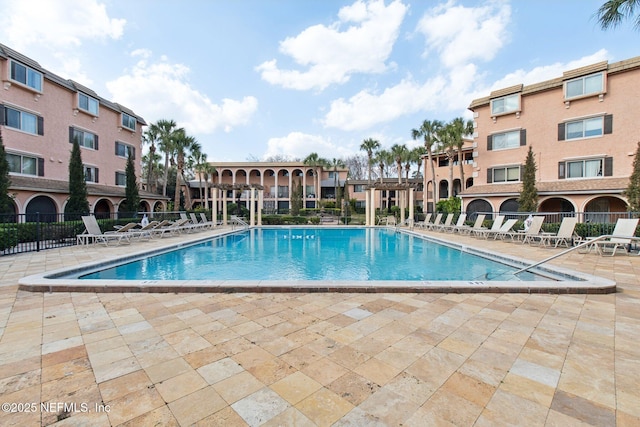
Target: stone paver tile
[129, 383]
[260, 407]
[18, 367]
[20, 381]
[353, 387]
[412, 388]
[469, 388]
[169, 369]
[582, 409]
[220, 370]
[64, 369]
[62, 344]
[237, 387]
[197, 406]
[157, 417]
[301, 357]
[377, 371]
[67, 385]
[508, 409]
[203, 357]
[69, 403]
[252, 357]
[186, 341]
[324, 371]
[349, 357]
[271, 370]
[181, 385]
[558, 419]
[223, 418]
[115, 369]
[134, 404]
[290, 417]
[296, 387]
[324, 407]
[389, 407]
[109, 356]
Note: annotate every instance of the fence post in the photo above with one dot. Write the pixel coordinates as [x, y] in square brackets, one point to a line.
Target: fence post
[37, 231]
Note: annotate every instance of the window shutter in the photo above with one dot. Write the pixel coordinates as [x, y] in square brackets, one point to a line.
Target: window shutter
[608, 123]
[96, 147]
[523, 137]
[489, 142]
[71, 134]
[40, 125]
[608, 166]
[40, 166]
[133, 153]
[561, 172]
[521, 172]
[489, 176]
[116, 148]
[96, 179]
[561, 131]
[2, 114]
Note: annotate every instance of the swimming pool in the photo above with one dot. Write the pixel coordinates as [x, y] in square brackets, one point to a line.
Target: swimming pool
[354, 254]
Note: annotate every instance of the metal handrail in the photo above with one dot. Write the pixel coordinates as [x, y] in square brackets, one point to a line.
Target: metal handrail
[583, 244]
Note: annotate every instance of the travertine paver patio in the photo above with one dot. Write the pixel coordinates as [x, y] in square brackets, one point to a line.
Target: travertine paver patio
[319, 358]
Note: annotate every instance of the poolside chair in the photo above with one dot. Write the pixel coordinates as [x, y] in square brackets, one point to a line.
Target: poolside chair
[422, 224]
[504, 230]
[209, 224]
[459, 223]
[95, 235]
[436, 222]
[621, 237]
[198, 225]
[390, 220]
[465, 229]
[445, 224]
[564, 235]
[529, 234]
[497, 223]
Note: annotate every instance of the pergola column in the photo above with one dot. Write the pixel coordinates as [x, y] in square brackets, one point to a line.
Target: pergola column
[411, 197]
[252, 208]
[260, 202]
[372, 220]
[224, 207]
[367, 209]
[214, 206]
[402, 198]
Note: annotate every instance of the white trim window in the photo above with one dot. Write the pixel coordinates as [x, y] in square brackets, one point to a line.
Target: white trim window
[22, 164]
[22, 120]
[90, 174]
[592, 84]
[121, 179]
[26, 76]
[358, 188]
[505, 104]
[506, 140]
[503, 174]
[85, 139]
[125, 150]
[586, 128]
[128, 122]
[585, 168]
[88, 104]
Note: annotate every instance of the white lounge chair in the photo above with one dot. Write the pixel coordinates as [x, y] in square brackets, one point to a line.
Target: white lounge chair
[504, 231]
[477, 225]
[621, 237]
[564, 235]
[93, 234]
[436, 222]
[459, 223]
[446, 224]
[497, 223]
[530, 234]
[422, 224]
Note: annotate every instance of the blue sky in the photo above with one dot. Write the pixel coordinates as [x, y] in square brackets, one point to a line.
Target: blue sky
[252, 79]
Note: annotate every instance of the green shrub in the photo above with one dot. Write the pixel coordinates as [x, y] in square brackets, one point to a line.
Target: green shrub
[8, 237]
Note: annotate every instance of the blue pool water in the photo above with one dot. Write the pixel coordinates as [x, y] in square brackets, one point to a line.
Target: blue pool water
[356, 254]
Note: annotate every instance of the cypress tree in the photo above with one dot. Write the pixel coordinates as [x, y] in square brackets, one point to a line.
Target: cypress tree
[6, 202]
[632, 192]
[528, 201]
[131, 190]
[78, 203]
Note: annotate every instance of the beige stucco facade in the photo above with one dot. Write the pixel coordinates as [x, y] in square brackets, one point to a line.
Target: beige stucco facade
[41, 114]
[583, 140]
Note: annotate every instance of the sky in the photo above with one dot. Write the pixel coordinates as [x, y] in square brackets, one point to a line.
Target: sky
[258, 79]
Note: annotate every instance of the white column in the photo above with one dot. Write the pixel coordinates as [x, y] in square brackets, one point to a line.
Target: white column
[224, 207]
[373, 206]
[260, 202]
[367, 207]
[214, 206]
[411, 197]
[252, 208]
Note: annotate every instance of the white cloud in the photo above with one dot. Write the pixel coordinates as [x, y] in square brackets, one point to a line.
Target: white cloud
[161, 90]
[330, 56]
[366, 109]
[548, 72]
[300, 145]
[461, 34]
[59, 24]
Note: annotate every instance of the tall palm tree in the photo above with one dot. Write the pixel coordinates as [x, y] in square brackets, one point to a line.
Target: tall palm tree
[370, 145]
[335, 164]
[400, 154]
[164, 130]
[150, 136]
[151, 161]
[314, 161]
[199, 166]
[416, 156]
[428, 130]
[183, 145]
[612, 12]
[460, 129]
[448, 147]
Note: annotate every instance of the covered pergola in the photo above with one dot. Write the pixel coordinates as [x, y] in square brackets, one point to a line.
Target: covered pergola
[372, 195]
[256, 192]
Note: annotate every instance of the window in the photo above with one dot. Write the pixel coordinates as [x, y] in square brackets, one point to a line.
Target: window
[26, 76]
[121, 179]
[90, 174]
[506, 140]
[125, 150]
[503, 174]
[128, 122]
[585, 128]
[85, 139]
[505, 104]
[25, 165]
[21, 120]
[358, 188]
[584, 86]
[88, 104]
[585, 168]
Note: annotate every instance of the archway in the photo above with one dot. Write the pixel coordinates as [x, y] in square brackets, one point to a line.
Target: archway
[10, 214]
[469, 183]
[44, 206]
[444, 190]
[102, 209]
[605, 209]
[510, 205]
[556, 204]
[479, 206]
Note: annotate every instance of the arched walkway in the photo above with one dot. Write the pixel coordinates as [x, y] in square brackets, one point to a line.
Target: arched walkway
[44, 206]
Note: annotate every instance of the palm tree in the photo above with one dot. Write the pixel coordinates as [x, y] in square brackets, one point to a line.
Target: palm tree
[150, 136]
[370, 145]
[459, 130]
[335, 164]
[315, 161]
[151, 160]
[416, 156]
[199, 166]
[448, 147]
[429, 131]
[612, 12]
[399, 154]
[183, 146]
[164, 130]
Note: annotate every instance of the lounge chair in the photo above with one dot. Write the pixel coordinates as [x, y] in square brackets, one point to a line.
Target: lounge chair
[530, 234]
[564, 235]
[210, 224]
[497, 223]
[621, 237]
[197, 224]
[505, 230]
[465, 229]
[390, 220]
[459, 223]
[422, 224]
[445, 224]
[436, 222]
[93, 234]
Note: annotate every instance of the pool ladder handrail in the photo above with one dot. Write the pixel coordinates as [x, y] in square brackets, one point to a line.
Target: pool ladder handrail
[572, 248]
[237, 220]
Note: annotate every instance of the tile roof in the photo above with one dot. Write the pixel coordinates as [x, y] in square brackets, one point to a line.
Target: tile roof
[566, 186]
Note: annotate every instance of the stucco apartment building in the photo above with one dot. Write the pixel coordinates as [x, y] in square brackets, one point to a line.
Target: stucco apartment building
[276, 181]
[583, 127]
[40, 115]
